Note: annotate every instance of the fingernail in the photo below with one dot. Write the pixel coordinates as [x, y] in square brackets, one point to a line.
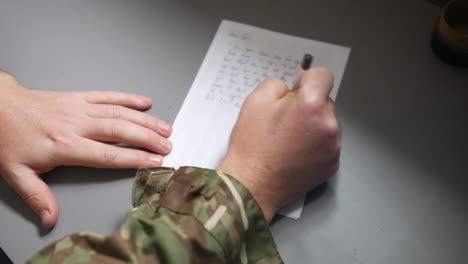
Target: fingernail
[164, 126]
[44, 215]
[166, 144]
[155, 159]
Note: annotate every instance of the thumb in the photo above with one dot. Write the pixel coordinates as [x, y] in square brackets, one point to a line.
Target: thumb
[36, 194]
[270, 90]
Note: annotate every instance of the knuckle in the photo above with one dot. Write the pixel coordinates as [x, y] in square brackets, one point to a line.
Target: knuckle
[33, 199]
[252, 102]
[273, 81]
[252, 98]
[149, 136]
[313, 105]
[338, 147]
[336, 150]
[110, 156]
[258, 95]
[86, 95]
[61, 140]
[147, 121]
[115, 129]
[331, 128]
[67, 120]
[117, 111]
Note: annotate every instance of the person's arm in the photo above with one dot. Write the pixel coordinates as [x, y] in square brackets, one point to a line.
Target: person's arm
[191, 215]
[40, 130]
[283, 144]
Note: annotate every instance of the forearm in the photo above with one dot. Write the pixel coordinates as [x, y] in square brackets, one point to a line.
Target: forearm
[189, 216]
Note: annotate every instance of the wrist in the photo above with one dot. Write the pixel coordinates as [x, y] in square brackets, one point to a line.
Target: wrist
[256, 189]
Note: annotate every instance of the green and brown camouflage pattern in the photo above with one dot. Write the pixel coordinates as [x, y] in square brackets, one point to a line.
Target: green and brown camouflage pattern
[191, 215]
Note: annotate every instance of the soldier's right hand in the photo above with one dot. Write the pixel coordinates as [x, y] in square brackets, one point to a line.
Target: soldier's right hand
[285, 142]
[41, 130]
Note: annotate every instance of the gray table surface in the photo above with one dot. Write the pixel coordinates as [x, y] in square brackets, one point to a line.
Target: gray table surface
[401, 193]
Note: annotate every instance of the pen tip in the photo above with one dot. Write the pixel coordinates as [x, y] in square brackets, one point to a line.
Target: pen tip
[306, 61]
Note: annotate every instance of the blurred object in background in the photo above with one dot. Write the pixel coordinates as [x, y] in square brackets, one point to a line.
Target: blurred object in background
[450, 37]
[440, 2]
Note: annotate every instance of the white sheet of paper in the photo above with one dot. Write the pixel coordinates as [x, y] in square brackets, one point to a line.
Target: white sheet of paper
[239, 58]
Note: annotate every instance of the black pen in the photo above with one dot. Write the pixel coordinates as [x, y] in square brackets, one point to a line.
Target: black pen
[306, 61]
[305, 65]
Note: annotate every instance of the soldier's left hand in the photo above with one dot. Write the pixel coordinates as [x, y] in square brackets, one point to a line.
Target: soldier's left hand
[43, 129]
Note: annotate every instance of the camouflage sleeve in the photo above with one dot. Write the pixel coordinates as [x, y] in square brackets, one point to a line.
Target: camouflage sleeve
[191, 215]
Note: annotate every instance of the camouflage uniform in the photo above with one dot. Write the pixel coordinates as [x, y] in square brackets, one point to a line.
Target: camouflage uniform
[191, 215]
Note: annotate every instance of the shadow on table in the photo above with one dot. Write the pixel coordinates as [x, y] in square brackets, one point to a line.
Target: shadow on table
[61, 175]
[322, 194]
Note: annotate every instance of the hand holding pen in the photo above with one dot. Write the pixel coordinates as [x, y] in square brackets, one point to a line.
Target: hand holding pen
[303, 144]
